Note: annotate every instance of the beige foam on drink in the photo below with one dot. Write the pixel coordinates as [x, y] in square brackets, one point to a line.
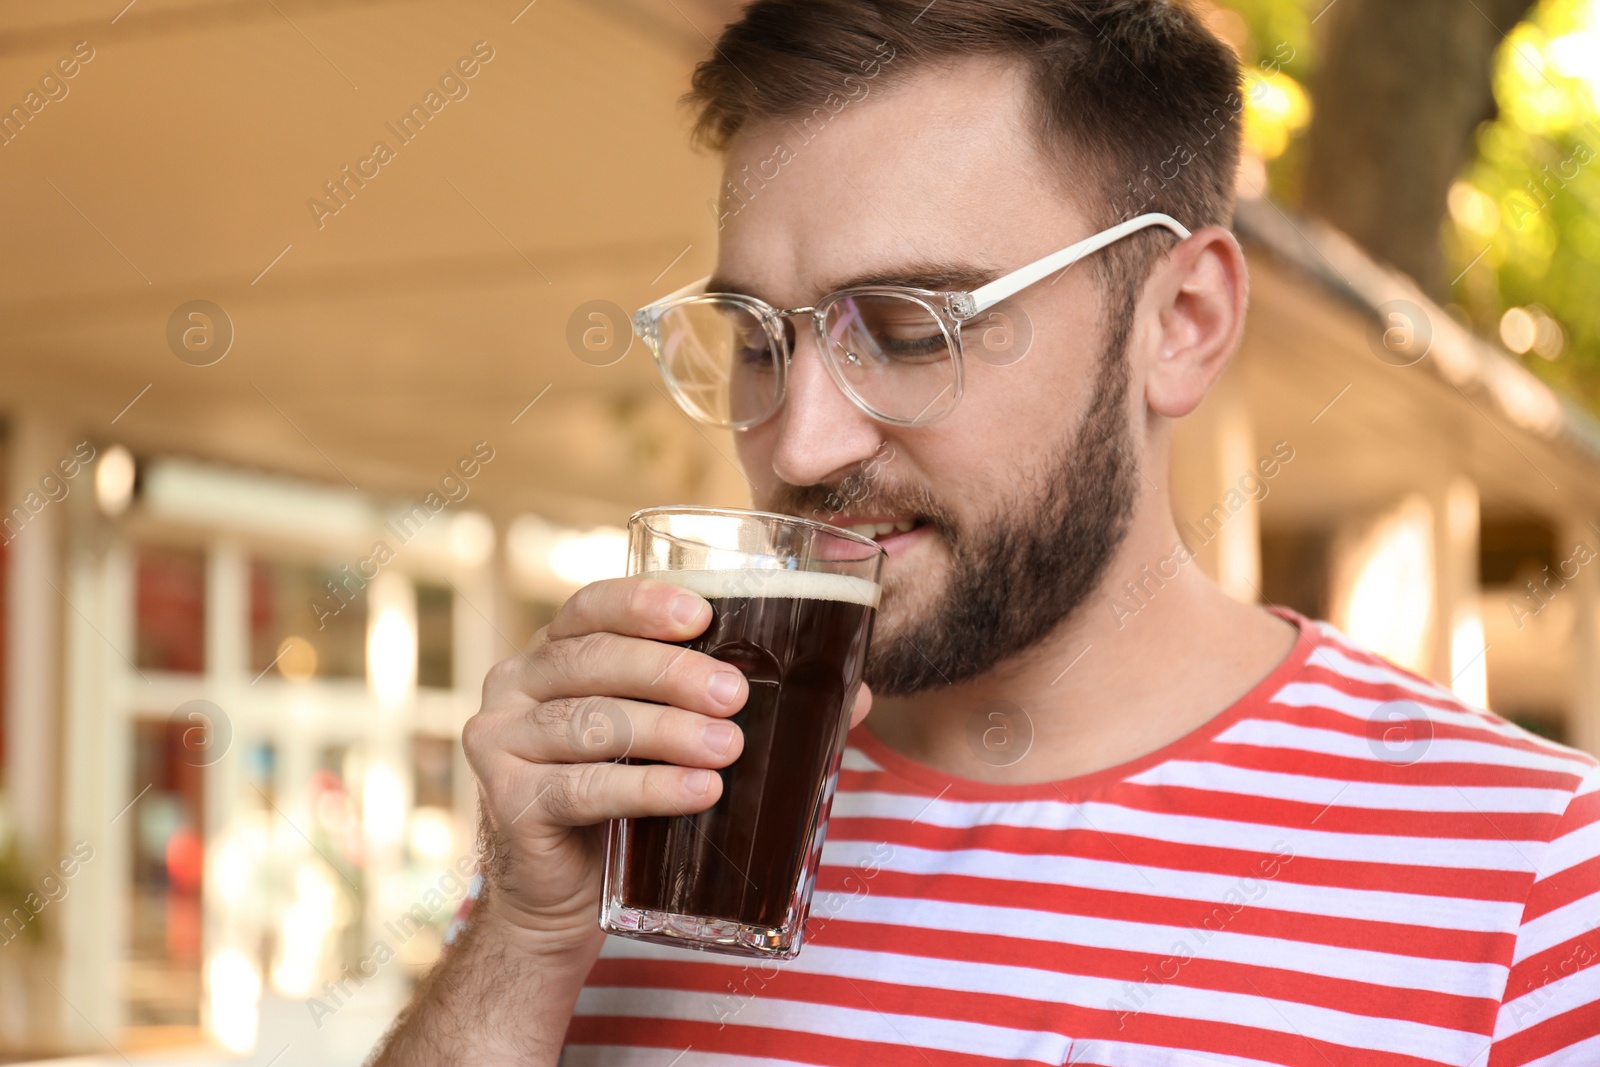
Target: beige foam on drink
[771, 582]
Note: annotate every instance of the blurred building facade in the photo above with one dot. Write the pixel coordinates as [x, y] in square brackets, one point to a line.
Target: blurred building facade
[253, 574]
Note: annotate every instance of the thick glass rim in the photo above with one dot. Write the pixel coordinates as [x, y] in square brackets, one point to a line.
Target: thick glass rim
[643, 515]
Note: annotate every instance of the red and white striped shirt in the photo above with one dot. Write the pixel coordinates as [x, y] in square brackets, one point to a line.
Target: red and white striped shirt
[1347, 867]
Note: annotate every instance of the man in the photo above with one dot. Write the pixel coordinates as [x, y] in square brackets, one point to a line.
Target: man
[1231, 837]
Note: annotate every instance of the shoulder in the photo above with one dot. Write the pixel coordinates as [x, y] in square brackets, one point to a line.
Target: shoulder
[1416, 726]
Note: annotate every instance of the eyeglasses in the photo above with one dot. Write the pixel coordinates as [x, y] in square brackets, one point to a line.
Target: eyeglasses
[894, 351]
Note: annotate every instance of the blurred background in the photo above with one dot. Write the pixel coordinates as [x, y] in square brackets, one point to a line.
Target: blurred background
[317, 397]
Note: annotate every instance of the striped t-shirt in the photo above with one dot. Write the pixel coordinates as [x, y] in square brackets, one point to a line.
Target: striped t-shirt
[1346, 867]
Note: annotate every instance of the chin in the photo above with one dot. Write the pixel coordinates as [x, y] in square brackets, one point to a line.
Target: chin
[910, 593]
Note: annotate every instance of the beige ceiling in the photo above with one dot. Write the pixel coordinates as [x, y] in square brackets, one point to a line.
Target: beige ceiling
[431, 308]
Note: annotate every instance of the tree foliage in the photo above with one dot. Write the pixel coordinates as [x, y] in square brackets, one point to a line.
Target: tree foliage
[1507, 190]
[1524, 228]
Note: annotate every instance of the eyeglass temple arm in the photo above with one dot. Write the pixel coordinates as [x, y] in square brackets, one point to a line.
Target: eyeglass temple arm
[987, 296]
[644, 318]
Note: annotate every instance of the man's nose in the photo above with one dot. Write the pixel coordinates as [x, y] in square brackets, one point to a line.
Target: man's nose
[820, 431]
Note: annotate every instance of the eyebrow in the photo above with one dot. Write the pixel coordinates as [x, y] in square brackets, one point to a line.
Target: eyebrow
[920, 274]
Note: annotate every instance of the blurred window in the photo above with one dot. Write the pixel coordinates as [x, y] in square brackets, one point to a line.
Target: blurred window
[162, 971]
[305, 622]
[433, 771]
[1513, 550]
[1294, 569]
[170, 608]
[435, 636]
[431, 838]
[334, 792]
[261, 771]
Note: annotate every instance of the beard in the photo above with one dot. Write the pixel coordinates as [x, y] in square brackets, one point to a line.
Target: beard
[1016, 574]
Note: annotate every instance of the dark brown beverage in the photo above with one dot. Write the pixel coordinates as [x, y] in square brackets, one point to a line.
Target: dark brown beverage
[801, 642]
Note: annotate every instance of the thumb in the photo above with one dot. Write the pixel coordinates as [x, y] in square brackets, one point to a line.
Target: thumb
[863, 705]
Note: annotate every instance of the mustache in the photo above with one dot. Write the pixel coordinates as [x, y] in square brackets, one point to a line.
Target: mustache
[824, 502]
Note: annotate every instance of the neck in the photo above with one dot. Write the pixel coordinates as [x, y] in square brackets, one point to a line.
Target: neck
[1132, 669]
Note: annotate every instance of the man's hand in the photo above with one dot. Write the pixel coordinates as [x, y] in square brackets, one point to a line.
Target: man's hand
[604, 680]
[599, 683]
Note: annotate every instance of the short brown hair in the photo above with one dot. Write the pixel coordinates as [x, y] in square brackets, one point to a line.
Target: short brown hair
[1139, 87]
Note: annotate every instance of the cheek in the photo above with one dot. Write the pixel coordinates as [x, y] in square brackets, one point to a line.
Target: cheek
[1006, 417]
[753, 450]
[1035, 364]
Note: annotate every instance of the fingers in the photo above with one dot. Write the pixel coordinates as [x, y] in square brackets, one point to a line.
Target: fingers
[608, 679]
[582, 794]
[595, 729]
[862, 705]
[634, 606]
[618, 666]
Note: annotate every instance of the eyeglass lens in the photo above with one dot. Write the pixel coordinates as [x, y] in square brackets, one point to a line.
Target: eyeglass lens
[890, 352]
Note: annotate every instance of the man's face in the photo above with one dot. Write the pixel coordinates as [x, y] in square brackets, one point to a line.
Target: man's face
[1022, 493]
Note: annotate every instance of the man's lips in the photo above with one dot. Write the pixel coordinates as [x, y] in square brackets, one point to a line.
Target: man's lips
[881, 528]
[875, 525]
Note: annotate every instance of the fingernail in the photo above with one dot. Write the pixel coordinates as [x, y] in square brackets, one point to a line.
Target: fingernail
[724, 685]
[698, 782]
[685, 609]
[718, 736]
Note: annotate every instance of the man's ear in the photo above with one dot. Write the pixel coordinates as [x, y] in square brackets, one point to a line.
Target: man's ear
[1200, 291]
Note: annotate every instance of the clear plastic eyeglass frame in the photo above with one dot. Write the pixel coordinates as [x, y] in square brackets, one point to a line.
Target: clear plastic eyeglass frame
[951, 309]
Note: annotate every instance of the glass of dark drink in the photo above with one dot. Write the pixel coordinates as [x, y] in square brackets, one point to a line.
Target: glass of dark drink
[792, 605]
